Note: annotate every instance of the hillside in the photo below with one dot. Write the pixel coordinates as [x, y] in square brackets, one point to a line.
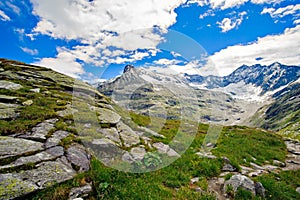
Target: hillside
[62, 139]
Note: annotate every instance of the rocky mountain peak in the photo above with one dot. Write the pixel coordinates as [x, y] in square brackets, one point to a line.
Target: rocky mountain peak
[128, 68]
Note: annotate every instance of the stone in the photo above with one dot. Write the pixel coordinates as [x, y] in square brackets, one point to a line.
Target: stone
[9, 85]
[68, 111]
[128, 136]
[107, 116]
[110, 133]
[49, 173]
[8, 111]
[8, 99]
[153, 133]
[226, 160]
[15, 147]
[80, 192]
[165, 149]
[36, 90]
[126, 157]
[298, 190]
[41, 130]
[240, 181]
[138, 153]
[78, 156]
[12, 186]
[256, 173]
[245, 170]
[47, 155]
[55, 138]
[195, 180]
[228, 168]
[255, 166]
[259, 189]
[27, 103]
[206, 155]
[278, 163]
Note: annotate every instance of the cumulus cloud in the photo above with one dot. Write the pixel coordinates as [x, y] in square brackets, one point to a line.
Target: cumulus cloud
[282, 48]
[228, 24]
[166, 62]
[65, 62]
[282, 12]
[30, 51]
[3, 16]
[99, 25]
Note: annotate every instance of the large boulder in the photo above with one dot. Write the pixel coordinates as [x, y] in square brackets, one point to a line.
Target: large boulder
[240, 181]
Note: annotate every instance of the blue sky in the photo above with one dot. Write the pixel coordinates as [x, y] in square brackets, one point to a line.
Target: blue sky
[95, 39]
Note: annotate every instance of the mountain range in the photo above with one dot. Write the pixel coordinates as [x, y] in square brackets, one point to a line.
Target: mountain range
[234, 99]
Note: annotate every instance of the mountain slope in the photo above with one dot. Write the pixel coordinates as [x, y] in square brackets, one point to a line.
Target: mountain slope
[283, 115]
[264, 80]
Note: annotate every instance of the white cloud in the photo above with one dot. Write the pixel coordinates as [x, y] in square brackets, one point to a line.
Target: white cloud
[30, 51]
[65, 62]
[97, 25]
[228, 24]
[166, 62]
[3, 16]
[283, 48]
[139, 55]
[282, 12]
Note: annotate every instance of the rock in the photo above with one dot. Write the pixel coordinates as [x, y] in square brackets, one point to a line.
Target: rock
[47, 155]
[153, 133]
[8, 99]
[127, 158]
[110, 133]
[14, 146]
[13, 185]
[240, 181]
[36, 90]
[278, 163]
[79, 192]
[128, 136]
[108, 117]
[27, 103]
[138, 153]
[48, 173]
[228, 168]
[9, 85]
[226, 160]
[56, 137]
[77, 155]
[210, 144]
[206, 155]
[257, 173]
[298, 190]
[245, 170]
[195, 180]
[41, 130]
[163, 148]
[255, 166]
[68, 111]
[8, 111]
[259, 189]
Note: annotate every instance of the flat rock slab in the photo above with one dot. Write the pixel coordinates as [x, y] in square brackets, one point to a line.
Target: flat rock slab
[47, 155]
[110, 133]
[15, 146]
[41, 130]
[107, 116]
[9, 85]
[47, 174]
[8, 111]
[163, 148]
[56, 137]
[128, 136]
